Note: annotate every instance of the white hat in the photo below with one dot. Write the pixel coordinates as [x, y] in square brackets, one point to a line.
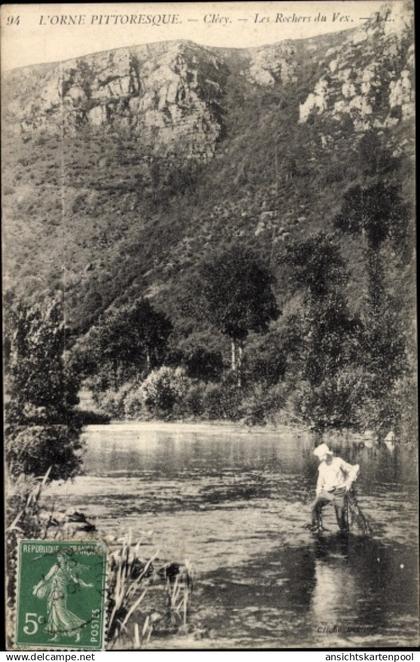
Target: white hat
[322, 450]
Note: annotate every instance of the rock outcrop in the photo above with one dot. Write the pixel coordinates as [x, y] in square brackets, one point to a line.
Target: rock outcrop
[370, 77]
[167, 94]
[273, 64]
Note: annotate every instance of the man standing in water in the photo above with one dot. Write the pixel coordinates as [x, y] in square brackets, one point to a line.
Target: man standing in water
[335, 478]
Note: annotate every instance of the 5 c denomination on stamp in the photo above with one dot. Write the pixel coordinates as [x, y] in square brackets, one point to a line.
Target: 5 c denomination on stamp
[61, 594]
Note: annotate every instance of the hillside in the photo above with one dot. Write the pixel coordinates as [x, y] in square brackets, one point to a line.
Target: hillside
[125, 167]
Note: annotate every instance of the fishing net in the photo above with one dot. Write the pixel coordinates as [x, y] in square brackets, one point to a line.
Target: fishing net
[355, 515]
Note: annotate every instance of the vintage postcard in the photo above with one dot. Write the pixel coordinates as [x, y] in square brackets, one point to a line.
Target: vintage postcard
[210, 338]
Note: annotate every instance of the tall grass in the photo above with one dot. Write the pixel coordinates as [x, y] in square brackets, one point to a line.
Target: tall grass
[128, 585]
[23, 520]
[178, 593]
[133, 616]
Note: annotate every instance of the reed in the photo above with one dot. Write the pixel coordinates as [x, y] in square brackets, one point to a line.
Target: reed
[129, 581]
[133, 617]
[23, 520]
[24, 507]
[178, 594]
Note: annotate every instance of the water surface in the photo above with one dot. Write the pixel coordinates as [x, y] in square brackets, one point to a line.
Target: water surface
[235, 503]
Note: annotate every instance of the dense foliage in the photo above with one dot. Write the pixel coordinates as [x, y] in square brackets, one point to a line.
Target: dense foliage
[329, 334]
[232, 291]
[125, 343]
[42, 425]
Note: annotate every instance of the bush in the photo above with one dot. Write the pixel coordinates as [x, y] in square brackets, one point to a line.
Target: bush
[222, 401]
[109, 402]
[394, 408]
[33, 450]
[134, 403]
[192, 403]
[261, 405]
[340, 401]
[112, 401]
[163, 389]
[87, 417]
[211, 401]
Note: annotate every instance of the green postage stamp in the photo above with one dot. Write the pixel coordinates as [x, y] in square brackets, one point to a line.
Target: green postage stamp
[61, 594]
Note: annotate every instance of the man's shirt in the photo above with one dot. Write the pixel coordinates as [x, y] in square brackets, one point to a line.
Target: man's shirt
[336, 474]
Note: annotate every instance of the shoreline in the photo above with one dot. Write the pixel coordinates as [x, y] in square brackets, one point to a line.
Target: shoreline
[212, 427]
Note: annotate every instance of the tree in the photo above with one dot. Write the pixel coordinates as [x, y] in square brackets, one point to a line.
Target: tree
[318, 267]
[233, 292]
[374, 159]
[42, 425]
[379, 215]
[151, 328]
[130, 340]
[265, 361]
[329, 340]
[202, 363]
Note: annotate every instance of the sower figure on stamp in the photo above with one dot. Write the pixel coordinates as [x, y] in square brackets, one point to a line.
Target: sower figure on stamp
[55, 587]
[335, 478]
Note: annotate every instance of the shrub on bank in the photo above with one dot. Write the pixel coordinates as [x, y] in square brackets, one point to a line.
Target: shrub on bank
[340, 400]
[111, 401]
[192, 403]
[33, 450]
[88, 417]
[222, 401]
[168, 393]
[133, 403]
[260, 405]
[163, 389]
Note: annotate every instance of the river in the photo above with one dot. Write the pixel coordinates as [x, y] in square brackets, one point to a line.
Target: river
[234, 502]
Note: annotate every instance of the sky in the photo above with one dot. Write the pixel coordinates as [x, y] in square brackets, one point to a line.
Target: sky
[32, 34]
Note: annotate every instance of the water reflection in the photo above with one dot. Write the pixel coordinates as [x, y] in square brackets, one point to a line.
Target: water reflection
[348, 572]
[344, 586]
[362, 585]
[336, 591]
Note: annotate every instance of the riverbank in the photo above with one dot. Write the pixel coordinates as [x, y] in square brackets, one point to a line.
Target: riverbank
[191, 425]
[283, 420]
[335, 438]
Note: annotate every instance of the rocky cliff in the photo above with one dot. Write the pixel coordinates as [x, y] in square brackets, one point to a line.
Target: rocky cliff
[168, 94]
[369, 78]
[171, 95]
